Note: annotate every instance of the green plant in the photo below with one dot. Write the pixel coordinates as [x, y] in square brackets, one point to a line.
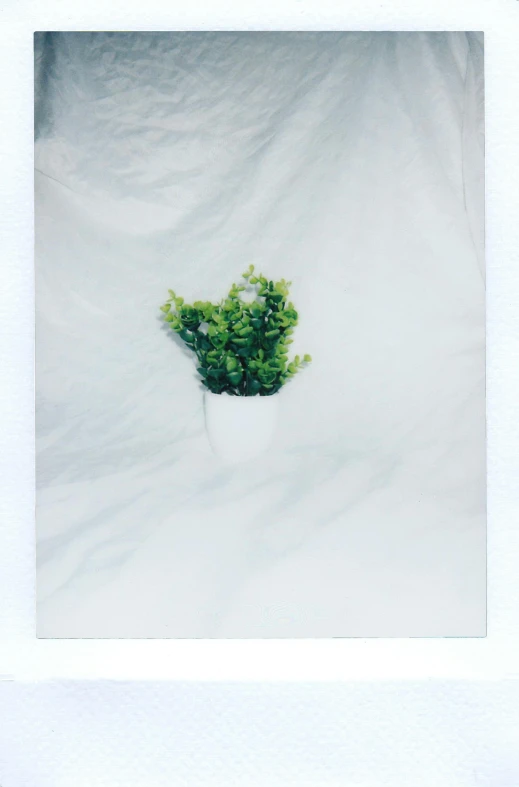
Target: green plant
[242, 346]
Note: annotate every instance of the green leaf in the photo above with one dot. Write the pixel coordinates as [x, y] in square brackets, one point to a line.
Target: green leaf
[307, 358]
[165, 308]
[235, 377]
[254, 385]
[218, 341]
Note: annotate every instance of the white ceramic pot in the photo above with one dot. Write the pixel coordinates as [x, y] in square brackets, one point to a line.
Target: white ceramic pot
[240, 427]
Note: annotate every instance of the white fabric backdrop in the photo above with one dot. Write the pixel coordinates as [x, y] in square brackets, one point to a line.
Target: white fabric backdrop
[350, 163]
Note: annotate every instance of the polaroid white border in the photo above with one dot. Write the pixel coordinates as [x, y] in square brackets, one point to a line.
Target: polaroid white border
[22, 656]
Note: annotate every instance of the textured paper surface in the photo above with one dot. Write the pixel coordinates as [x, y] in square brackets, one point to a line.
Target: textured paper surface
[432, 734]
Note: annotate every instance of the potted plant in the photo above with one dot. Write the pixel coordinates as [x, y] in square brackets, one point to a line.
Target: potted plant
[242, 348]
